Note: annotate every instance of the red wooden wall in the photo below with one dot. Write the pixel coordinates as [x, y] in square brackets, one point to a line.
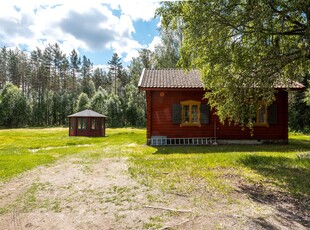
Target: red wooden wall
[159, 119]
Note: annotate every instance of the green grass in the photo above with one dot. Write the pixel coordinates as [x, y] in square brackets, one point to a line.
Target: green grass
[174, 169]
[188, 169]
[24, 149]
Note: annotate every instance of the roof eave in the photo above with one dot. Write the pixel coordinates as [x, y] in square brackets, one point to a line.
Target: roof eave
[170, 89]
[289, 89]
[141, 77]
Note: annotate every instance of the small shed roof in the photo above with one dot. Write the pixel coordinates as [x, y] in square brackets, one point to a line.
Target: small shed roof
[191, 79]
[87, 113]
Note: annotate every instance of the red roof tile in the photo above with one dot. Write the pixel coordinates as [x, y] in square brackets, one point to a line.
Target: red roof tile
[170, 78]
[182, 79]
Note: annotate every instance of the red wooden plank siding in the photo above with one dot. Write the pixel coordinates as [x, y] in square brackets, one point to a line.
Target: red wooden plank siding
[159, 119]
[148, 114]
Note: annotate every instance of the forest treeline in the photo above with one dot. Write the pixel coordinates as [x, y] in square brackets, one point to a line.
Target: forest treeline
[44, 86]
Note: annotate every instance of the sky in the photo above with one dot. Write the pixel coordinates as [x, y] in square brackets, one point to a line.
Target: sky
[94, 28]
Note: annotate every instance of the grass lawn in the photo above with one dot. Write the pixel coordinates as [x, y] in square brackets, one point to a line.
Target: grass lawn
[178, 169]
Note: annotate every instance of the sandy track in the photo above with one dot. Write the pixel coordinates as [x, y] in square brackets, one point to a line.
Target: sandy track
[75, 193]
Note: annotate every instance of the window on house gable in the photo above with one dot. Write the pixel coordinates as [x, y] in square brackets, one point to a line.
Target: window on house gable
[190, 113]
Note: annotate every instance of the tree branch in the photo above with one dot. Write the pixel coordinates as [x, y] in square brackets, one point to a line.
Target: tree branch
[168, 209]
[179, 224]
[286, 16]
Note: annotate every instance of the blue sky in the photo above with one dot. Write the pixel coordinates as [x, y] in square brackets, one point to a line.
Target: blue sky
[94, 28]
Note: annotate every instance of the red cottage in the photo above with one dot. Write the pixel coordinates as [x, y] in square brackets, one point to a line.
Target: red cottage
[87, 123]
[177, 114]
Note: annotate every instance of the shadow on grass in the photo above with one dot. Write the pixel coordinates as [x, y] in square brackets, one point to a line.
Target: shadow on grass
[262, 224]
[291, 175]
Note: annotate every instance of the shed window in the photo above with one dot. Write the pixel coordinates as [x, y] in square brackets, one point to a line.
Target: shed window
[262, 115]
[82, 123]
[71, 125]
[190, 113]
[94, 123]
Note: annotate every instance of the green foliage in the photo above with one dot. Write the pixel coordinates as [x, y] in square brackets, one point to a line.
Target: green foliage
[243, 48]
[97, 102]
[100, 78]
[299, 110]
[307, 95]
[135, 110]
[144, 60]
[50, 87]
[14, 108]
[114, 111]
[83, 102]
[115, 71]
[167, 54]
[88, 87]
[86, 67]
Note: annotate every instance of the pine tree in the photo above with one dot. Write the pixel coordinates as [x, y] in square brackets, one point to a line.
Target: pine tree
[98, 102]
[82, 103]
[75, 62]
[3, 66]
[114, 111]
[115, 70]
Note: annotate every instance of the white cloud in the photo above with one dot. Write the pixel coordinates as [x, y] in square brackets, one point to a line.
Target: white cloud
[103, 67]
[139, 9]
[156, 41]
[136, 9]
[127, 48]
[88, 25]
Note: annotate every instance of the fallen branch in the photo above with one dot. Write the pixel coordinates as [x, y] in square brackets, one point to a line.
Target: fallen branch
[180, 194]
[178, 224]
[168, 209]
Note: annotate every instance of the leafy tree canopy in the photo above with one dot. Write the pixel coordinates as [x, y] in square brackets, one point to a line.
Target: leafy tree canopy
[83, 102]
[14, 109]
[242, 47]
[307, 97]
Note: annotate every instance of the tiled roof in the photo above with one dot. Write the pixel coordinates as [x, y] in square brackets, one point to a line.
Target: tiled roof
[289, 84]
[87, 113]
[182, 79]
[170, 78]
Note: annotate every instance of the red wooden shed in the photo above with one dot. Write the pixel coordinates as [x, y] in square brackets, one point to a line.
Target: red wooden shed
[178, 113]
[87, 123]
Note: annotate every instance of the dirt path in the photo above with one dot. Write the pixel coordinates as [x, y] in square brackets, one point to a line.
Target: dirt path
[74, 194]
[79, 194]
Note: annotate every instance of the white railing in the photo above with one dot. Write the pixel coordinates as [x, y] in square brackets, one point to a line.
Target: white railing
[183, 141]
